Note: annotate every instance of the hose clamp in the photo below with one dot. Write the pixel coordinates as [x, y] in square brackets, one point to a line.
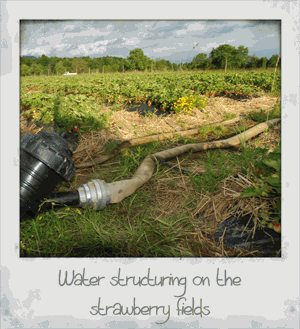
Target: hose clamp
[94, 194]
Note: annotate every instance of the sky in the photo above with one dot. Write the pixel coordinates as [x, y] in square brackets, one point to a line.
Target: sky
[171, 40]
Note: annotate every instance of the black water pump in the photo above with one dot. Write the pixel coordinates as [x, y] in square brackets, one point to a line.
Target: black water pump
[45, 160]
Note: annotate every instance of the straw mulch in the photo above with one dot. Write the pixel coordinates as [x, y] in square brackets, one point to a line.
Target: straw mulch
[129, 125]
[26, 128]
[214, 209]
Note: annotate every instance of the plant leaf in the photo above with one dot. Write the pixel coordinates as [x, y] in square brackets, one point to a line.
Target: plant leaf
[273, 164]
[251, 191]
[274, 181]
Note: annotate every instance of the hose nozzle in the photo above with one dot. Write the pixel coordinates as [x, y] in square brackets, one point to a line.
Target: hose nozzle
[94, 194]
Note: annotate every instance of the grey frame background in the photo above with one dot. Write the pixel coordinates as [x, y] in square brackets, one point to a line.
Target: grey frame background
[31, 296]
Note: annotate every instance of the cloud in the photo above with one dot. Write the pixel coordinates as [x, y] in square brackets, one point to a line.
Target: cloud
[169, 38]
[158, 50]
[69, 27]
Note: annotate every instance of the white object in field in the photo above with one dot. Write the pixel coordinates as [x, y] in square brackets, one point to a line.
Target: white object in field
[67, 73]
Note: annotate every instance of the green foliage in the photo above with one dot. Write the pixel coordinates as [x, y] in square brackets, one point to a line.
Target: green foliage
[273, 60]
[233, 56]
[249, 161]
[228, 116]
[264, 61]
[199, 62]
[79, 65]
[215, 171]
[137, 60]
[263, 116]
[253, 61]
[60, 68]
[268, 180]
[160, 89]
[25, 70]
[66, 112]
[36, 69]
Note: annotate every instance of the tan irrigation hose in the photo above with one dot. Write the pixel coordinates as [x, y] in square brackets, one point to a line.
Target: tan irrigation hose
[122, 189]
[144, 140]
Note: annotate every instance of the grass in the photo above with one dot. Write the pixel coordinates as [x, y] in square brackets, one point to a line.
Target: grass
[157, 220]
[126, 229]
[262, 115]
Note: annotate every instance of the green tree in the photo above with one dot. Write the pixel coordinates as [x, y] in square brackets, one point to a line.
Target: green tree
[67, 63]
[225, 54]
[27, 60]
[128, 66]
[241, 56]
[36, 69]
[60, 68]
[199, 62]
[273, 60]
[44, 61]
[161, 65]
[263, 62]
[24, 70]
[138, 59]
[253, 61]
[79, 65]
[106, 68]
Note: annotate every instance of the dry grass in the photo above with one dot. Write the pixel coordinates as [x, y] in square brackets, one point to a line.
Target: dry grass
[91, 145]
[132, 125]
[268, 139]
[174, 193]
[215, 208]
[26, 128]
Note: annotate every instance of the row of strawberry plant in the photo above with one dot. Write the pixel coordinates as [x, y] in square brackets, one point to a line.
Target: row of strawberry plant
[162, 90]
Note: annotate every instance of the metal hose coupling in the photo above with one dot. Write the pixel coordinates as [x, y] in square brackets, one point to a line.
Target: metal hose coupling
[94, 194]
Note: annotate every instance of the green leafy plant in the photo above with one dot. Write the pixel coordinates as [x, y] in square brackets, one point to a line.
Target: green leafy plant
[228, 116]
[268, 183]
[263, 116]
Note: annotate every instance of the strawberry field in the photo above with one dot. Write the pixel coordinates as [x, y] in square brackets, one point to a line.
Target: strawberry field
[73, 101]
[189, 197]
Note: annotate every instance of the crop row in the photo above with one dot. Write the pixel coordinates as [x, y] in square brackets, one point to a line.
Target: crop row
[161, 89]
[83, 93]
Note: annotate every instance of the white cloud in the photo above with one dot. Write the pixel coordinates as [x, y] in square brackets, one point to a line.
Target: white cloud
[69, 27]
[157, 50]
[132, 41]
[196, 26]
[97, 38]
[181, 32]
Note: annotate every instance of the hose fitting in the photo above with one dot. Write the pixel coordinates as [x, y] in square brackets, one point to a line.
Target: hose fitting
[94, 194]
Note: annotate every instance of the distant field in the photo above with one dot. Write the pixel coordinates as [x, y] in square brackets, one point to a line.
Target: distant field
[84, 93]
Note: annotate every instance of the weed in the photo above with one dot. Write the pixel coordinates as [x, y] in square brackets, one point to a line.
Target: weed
[263, 116]
[150, 114]
[216, 171]
[228, 116]
[110, 146]
[267, 177]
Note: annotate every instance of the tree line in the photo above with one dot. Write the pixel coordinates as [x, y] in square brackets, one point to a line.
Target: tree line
[223, 57]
